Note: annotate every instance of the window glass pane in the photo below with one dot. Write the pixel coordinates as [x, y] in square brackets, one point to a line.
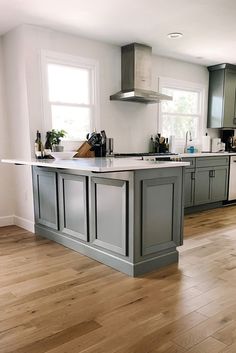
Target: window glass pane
[68, 84]
[178, 125]
[185, 102]
[74, 120]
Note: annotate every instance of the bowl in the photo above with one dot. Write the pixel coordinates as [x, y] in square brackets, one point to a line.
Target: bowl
[63, 155]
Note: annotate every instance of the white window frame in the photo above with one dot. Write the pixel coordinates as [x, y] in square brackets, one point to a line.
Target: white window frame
[51, 57]
[166, 82]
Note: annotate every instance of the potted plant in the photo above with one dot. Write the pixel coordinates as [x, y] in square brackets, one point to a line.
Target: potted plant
[55, 139]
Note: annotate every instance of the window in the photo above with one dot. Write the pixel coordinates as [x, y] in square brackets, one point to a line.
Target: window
[69, 94]
[184, 112]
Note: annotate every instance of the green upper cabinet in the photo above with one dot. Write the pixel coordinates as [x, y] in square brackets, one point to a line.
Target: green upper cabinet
[222, 96]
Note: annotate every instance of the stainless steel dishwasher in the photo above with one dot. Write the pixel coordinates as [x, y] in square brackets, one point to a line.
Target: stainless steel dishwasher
[232, 179]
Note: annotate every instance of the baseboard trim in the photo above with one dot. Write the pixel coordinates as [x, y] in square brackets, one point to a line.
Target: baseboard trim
[6, 221]
[116, 262]
[23, 223]
[203, 207]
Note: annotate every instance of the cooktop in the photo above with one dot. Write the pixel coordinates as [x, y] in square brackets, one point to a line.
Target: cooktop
[144, 154]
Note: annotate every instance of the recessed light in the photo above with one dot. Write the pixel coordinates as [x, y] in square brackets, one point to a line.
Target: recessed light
[175, 35]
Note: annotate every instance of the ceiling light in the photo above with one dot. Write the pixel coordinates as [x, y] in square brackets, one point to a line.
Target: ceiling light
[175, 35]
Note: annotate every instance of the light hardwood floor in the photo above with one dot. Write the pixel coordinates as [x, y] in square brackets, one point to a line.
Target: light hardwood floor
[54, 300]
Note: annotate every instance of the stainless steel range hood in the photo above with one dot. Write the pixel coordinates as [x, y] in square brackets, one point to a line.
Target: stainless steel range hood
[136, 76]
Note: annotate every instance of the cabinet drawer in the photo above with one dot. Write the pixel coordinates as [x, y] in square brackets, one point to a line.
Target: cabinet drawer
[212, 161]
[191, 160]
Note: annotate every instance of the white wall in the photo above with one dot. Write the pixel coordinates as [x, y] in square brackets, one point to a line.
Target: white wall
[6, 180]
[18, 124]
[130, 124]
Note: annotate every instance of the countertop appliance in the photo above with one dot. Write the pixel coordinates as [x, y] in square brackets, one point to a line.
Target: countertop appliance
[227, 136]
[136, 76]
[232, 179]
[216, 145]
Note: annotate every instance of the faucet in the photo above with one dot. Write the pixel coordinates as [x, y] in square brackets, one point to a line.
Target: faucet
[188, 134]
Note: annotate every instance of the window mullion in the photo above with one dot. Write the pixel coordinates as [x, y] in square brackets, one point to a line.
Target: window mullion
[180, 114]
[175, 122]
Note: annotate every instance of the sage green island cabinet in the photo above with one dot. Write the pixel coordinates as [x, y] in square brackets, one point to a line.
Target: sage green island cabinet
[206, 181]
[109, 214]
[45, 197]
[130, 220]
[73, 215]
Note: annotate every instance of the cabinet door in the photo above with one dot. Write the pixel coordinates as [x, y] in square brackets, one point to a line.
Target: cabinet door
[202, 192]
[189, 184]
[73, 205]
[161, 214]
[45, 197]
[109, 216]
[216, 99]
[229, 99]
[219, 184]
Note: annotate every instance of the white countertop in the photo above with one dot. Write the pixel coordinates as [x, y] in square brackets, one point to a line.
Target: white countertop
[99, 164]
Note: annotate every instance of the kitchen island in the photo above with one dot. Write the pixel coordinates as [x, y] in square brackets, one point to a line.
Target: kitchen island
[125, 213]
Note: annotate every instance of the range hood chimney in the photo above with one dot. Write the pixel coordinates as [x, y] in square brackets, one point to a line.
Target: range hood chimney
[136, 76]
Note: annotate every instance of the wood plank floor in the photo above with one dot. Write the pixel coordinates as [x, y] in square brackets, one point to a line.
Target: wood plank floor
[54, 300]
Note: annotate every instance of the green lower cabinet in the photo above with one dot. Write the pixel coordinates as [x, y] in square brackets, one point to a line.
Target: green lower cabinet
[73, 205]
[202, 193]
[204, 185]
[45, 197]
[131, 220]
[189, 182]
[219, 184]
[161, 226]
[109, 214]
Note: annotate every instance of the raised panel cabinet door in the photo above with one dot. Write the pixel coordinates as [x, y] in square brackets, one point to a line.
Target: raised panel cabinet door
[202, 192]
[216, 99]
[219, 184]
[109, 214]
[161, 213]
[45, 198]
[189, 183]
[73, 205]
[230, 99]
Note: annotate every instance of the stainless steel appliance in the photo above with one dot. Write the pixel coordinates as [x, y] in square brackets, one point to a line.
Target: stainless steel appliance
[232, 179]
[136, 75]
[167, 156]
[109, 146]
[227, 136]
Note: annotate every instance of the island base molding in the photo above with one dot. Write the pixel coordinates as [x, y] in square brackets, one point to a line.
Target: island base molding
[134, 270]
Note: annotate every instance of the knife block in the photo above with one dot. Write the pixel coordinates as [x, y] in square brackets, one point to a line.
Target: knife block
[84, 151]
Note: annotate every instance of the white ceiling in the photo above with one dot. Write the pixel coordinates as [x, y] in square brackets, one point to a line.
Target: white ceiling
[209, 26]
